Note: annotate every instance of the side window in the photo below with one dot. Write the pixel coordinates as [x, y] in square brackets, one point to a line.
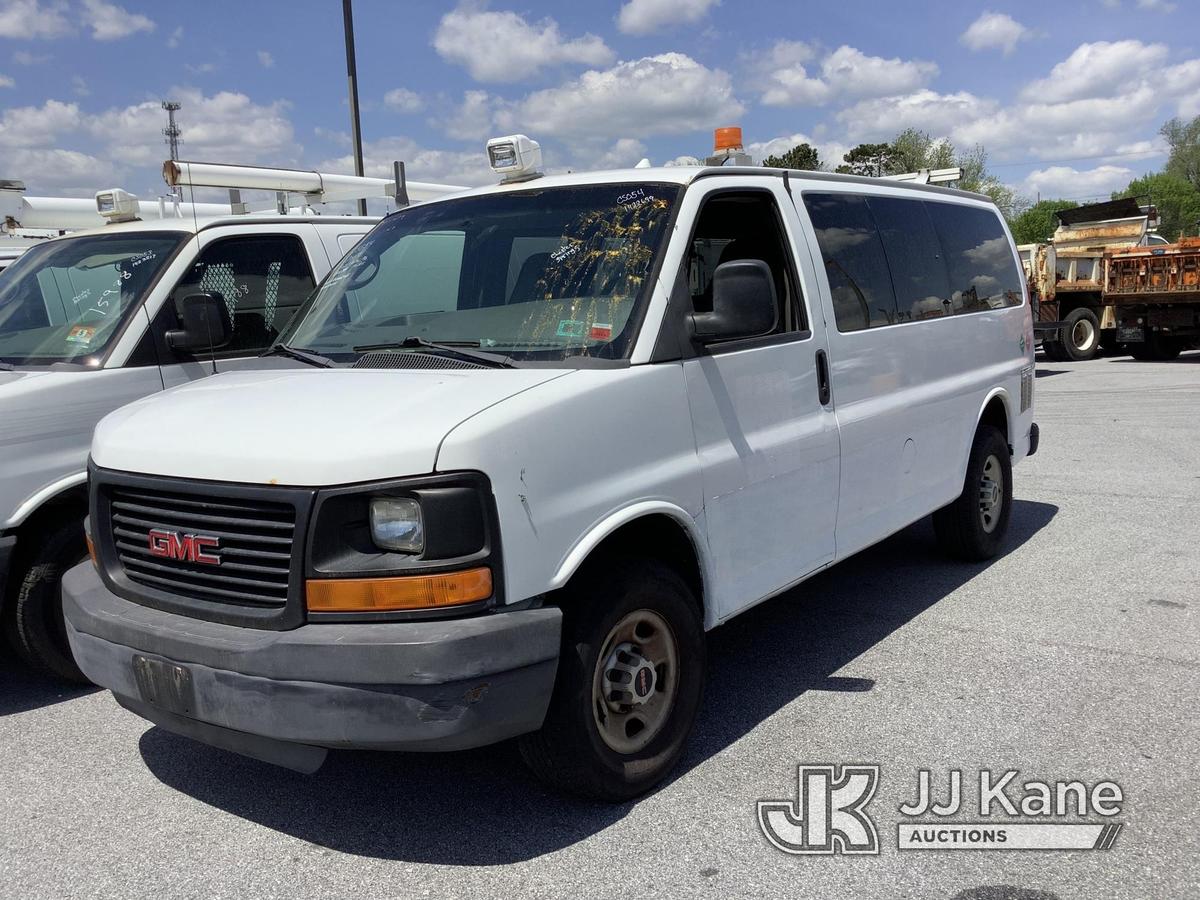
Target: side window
[736, 226]
[262, 279]
[859, 278]
[914, 258]
[978, 257]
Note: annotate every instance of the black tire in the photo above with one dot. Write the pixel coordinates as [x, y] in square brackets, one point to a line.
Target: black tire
[1156, 348]
[961, 527]
[1053, 350]
[41, 635]
[569, 753]
[1080, 335]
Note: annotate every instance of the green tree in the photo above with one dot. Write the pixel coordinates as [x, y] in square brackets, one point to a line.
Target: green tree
[1184, 140]
[1178, 202]
[1036, 224]
[802, 156]
[868, 159]
[913, 150]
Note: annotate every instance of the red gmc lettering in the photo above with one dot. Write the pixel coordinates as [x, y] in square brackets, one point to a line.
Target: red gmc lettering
[185, 547]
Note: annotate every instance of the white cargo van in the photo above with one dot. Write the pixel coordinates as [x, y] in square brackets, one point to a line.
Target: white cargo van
[547, 434]
[93, 320]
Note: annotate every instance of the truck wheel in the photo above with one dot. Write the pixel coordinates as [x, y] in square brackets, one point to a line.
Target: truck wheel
[629, 682]
[40, 631]
[1080, 335]
[974, 525]
[1053, 350]
[1156, 348]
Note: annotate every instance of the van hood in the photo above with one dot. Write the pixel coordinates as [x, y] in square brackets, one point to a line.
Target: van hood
[303, 427]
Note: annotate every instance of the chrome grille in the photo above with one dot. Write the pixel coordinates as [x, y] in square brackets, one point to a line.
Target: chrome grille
[255, 540]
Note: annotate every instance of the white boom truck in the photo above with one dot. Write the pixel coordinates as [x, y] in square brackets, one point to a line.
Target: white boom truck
[161, 295]
[536, 439]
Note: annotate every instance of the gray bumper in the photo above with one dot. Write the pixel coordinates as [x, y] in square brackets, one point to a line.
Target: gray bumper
[283, 695]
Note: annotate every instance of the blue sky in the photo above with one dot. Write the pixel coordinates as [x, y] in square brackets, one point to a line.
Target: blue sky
[1067, 97]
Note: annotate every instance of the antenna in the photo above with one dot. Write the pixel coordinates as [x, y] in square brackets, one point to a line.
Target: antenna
[172, 132]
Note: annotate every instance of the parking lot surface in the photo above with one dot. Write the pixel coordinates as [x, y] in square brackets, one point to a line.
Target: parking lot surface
[1075, 655]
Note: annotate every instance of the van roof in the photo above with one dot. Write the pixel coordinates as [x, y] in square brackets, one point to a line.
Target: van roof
[188, 225]
[689, 174]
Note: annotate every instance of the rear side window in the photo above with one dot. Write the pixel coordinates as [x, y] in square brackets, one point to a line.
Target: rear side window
[978, 256]
[914, 258]
[854, 260]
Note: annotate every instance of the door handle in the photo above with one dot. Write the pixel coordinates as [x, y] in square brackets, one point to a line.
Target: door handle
[823, 392]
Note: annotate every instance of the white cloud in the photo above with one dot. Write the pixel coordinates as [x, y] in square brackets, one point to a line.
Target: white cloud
[420, 163]
[37, 126]
[646, 16]
[504, 47]
[1064, 181]
[62, 172]
[663, 94]
[939, 114]
[1158, 5]
[830, 152]
[1097, 69]
[784, 78]
[6, 82]
[80, 86]
[623, 153]
[993, 30]
[265, 59]
[471, 119]
[31, 19]
[176, 37]
[25, 58]
[403, 100]
[110, 22]
[227, 126]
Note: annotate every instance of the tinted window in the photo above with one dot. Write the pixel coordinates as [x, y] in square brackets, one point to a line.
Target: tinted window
[262, 281]
[978, 257]
[914, 257]
[854, 260]
[734, 227]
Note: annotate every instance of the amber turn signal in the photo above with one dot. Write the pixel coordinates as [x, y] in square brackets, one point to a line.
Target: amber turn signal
[406, 592]
[91, 549]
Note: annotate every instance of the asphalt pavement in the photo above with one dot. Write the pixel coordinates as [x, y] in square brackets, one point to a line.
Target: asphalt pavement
[1075, 656]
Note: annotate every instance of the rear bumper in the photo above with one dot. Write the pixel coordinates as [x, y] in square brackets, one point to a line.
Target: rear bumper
[1034, 436]
[283, 696]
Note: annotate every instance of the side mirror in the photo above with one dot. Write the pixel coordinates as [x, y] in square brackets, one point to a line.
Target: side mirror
[744, 303]
[206, 324]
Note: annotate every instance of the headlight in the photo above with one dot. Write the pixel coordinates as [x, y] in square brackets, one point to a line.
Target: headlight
[396, 524]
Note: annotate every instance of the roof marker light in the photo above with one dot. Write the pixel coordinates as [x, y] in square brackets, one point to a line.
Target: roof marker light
[515, 157]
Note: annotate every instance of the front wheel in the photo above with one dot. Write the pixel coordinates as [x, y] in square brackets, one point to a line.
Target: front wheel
[40, 632]
[973, 526]
[630, 679]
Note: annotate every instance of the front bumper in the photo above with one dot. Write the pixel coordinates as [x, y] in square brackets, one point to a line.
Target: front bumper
[287, 696]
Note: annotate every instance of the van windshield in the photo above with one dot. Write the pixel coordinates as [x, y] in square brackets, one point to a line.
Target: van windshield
[536, 274]
[64, 300]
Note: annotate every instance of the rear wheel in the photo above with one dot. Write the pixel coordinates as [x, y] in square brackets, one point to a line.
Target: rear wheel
[1080, 335]
[39, 630]
[1053, 350]
[630, 679]
[973, 527]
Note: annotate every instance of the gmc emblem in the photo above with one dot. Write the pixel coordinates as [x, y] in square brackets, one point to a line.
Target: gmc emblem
[183, 547]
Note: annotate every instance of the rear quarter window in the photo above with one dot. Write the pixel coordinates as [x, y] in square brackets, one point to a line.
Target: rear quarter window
[854, 261]
[979, 258]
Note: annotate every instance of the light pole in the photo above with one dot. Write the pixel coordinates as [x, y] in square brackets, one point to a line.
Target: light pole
[352, 77]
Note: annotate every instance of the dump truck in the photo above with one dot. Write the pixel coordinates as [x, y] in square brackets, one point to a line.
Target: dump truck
[1107, 280]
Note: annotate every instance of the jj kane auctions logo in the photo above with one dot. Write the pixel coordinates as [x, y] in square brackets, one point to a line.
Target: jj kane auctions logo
[829, 814]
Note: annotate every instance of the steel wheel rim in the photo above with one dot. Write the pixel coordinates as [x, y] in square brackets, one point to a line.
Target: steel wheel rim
[991, 494]
[626, 720]
[1083, 334]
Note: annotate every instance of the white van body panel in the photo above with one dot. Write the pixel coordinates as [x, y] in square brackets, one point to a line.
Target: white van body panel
[569, 459]
[360, 424]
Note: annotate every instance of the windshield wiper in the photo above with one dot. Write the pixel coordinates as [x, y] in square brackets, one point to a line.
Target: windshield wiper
[456, 350]
[305, 356]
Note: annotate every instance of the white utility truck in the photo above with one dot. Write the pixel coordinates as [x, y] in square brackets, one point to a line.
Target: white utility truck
[542, 436]
[164, 294]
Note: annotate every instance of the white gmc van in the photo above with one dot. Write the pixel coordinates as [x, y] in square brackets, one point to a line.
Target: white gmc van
[546, 434]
